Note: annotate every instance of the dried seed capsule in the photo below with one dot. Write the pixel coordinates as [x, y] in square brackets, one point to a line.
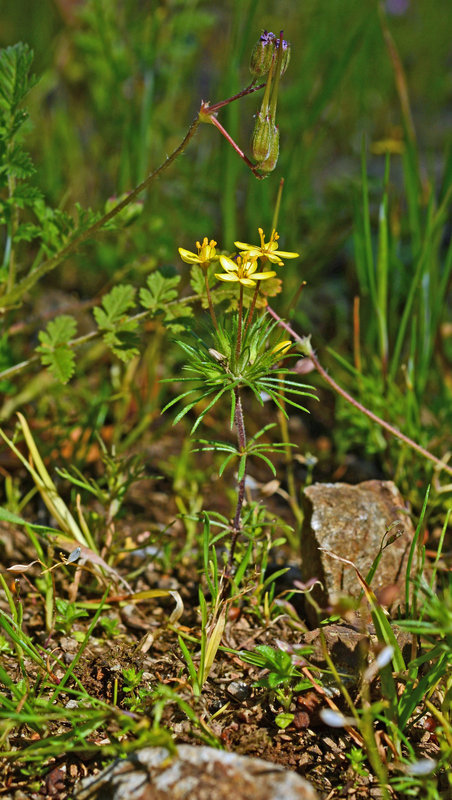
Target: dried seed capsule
[262, 136]
[269, 164]
[262, 55]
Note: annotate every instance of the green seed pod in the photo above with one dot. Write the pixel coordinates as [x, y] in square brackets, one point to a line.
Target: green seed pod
[262, 136]
[262, 55]
[285, 55]
[269, 164]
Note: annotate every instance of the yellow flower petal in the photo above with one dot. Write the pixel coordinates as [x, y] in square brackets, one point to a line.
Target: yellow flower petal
[263, 276]
[266, 250]
[228, 264]
[284, 254]
[227, 276]
[189, 258]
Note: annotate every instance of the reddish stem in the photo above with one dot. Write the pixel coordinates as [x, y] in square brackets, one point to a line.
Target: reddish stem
[237, 149]
[249, 90]
[383, 424]
[239, 330]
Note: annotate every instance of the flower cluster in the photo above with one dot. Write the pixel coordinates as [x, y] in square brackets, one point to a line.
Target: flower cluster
[243, 267]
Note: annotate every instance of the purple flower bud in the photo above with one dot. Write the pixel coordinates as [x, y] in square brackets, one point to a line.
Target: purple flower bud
[263, 54]
[285, 55]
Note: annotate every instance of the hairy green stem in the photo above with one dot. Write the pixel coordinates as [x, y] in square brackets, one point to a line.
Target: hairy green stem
[252, 307]
[241, 441]
[209, 300]
[13, 296]
[238, 346]
[383, 424]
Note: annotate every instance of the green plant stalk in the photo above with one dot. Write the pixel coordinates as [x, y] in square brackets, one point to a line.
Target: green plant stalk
[13, 224]
[290, 474]
[209, 300]
[335, 386]
[238, 346]
[368, 734]
[241, 441]
[49, 601]
[15, 294]
[415, 544]
[252, 308]
[382, 274]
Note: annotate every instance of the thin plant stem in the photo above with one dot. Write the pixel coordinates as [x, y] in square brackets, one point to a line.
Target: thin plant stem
[13, 296]
[335, 386]
[277, 205]
[16, 292]
[251, 309]
[249, 90]
[209, 300]
[290, 474]
[237, 149]
[239, 329]
[241, 441]
[14, 221]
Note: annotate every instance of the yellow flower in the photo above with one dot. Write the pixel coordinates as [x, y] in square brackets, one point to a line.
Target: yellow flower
[267, 250]
[206, 253]
[282, 347]
[243, 270]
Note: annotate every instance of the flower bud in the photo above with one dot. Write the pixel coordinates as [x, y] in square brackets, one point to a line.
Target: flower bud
[262, 136]
[129, 213]
[262, 55]
[285, 58]
[269, 163]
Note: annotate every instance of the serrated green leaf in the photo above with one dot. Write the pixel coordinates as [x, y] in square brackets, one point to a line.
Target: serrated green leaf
[59, 331]
[114, 306]
[61, 363]
[53, 349]
[26, 232]
[15, 63]
[124, 342]
[19, 163]
[161, 290]
[26, 196]
[197, 280]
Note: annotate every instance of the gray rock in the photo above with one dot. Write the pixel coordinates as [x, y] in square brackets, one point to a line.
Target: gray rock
[198, 773]
[351, 522]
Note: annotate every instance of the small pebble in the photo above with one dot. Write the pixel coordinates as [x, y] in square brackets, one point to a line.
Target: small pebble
[239, 690]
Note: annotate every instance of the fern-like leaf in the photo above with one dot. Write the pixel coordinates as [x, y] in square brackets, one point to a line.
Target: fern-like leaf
[113, 320]
[15, 82]
[54, 350]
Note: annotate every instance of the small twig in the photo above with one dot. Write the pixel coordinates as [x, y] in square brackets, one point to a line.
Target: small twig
[241, 441]
[235, 146]
[383, 424]
[238, 346]
[249, 90]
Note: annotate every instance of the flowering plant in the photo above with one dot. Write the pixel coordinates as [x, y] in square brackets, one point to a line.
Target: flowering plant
[240, 353]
